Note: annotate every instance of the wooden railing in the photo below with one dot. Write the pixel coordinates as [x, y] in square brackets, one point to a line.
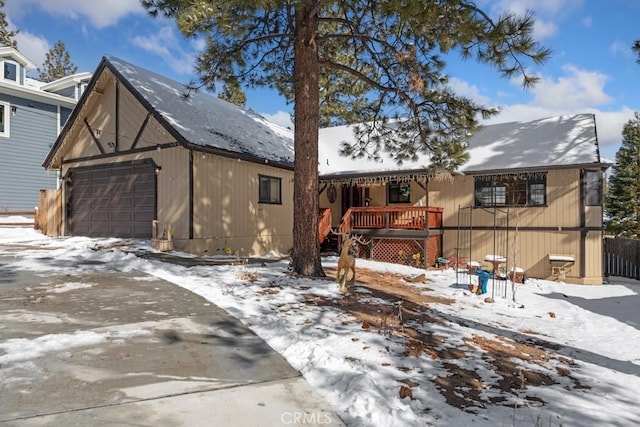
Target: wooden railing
[324, 224]
[404, 217]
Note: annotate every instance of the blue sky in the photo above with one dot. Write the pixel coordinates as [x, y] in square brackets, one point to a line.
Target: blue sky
[592, 69]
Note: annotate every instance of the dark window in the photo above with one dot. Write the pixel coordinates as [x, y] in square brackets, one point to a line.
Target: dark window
[3, 109]
[399, 192]
[270, 190]
[10, 71]
[593, 188]
[511, 190]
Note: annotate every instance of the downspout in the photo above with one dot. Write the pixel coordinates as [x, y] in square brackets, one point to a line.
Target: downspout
[190, 194]
[583, 224]
[117, 124]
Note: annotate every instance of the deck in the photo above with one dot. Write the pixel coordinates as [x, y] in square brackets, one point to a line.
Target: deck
[403, 221]
[404, 234]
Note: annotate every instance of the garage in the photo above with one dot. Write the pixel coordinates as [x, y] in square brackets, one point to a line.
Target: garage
[113, 200]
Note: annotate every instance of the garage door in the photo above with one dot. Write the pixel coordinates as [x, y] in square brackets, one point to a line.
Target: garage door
[112, 201]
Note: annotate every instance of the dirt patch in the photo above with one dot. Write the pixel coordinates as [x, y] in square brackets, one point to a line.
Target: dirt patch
[393, 305]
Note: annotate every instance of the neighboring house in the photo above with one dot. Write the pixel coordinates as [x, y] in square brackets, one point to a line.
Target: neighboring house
[530, 193]
[31, 116]
[138, 149]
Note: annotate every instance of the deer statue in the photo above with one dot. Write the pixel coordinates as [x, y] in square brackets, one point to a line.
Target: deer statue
[346, 261]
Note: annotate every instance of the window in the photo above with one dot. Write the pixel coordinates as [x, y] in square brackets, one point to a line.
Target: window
[399, 192]
[528, 189]
[593, 188]
[270, 190]
[10, 71]
[4, 119]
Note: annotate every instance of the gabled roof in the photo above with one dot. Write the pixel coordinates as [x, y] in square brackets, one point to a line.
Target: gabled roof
[199, 121]
[30, 89]
[563, 141]
[65, 82]
[17, 56]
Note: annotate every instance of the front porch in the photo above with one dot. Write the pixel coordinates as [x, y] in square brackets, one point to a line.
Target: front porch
[410, 235]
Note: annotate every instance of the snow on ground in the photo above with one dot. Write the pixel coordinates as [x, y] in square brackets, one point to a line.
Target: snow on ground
[15, 219]
[594, 332]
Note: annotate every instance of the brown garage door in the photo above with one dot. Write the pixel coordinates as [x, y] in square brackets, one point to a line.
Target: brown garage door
[117, 200]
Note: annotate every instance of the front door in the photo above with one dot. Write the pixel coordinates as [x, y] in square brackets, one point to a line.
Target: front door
[350, 197]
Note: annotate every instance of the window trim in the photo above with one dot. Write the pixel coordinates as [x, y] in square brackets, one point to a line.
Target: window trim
[6, 113]
[15, 64]
[494, 198]
[587, 187]
[269, 179]
[395, 186]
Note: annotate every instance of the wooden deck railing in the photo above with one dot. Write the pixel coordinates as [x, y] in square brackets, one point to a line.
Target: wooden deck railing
[324, 224]
[404, 217]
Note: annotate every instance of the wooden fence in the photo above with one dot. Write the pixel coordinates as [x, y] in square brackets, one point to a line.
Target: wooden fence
[49, 214]
[621, 257]
[26, 214]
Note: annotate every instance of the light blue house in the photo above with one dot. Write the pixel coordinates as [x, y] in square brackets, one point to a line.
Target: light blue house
[32, 113]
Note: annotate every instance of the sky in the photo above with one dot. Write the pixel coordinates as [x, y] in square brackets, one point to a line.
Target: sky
[592, 68]
[589, 371]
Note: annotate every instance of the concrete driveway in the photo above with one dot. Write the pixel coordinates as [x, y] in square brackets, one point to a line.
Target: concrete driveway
[107, 348]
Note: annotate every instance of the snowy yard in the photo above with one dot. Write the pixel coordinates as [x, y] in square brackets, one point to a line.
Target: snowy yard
[401, 349]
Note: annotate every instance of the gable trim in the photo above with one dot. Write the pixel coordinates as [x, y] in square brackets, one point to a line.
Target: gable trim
[74, 115]
[120, 153]
[143, 126]
[93, 136]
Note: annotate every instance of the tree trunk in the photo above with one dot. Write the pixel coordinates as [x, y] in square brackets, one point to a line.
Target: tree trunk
[306, 248]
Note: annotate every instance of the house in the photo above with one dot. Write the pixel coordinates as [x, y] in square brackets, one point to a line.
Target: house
[139, 148]
[529, 197]
[32, 114]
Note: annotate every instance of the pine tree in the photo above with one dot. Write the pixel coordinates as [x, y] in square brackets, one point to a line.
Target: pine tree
[57, 64]
[622, 201]
[6, 36]
[354, 61]
[233, 93]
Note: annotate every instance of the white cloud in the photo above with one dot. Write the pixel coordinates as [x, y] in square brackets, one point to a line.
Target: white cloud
[543, 29]
[166, 45]
[100, 14]
[280, 117]
[547, 12]
[471, 91]
[548, 8]
[623, 49]
[577, 88]
[32, 46]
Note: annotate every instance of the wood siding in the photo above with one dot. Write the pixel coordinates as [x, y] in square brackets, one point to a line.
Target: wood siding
[562, 227]
[226, 212]
[542, 231]
[33, 130]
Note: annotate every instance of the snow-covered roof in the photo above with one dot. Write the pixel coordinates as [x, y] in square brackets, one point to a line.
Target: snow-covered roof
[66, 81]
[550, 142]
[205, 120]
